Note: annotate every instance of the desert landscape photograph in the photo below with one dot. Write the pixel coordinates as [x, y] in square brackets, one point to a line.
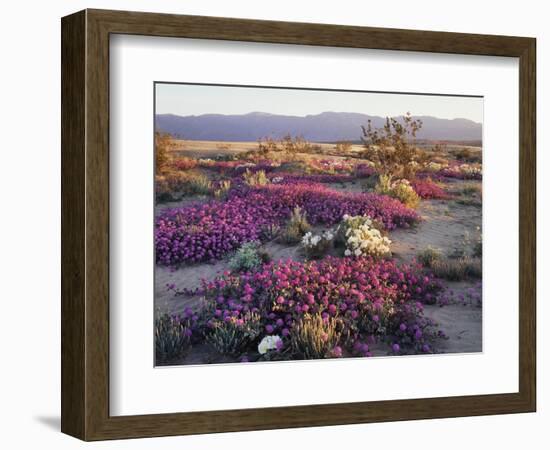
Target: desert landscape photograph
[303, 224]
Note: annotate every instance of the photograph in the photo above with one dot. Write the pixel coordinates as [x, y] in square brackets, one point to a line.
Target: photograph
[303, 224]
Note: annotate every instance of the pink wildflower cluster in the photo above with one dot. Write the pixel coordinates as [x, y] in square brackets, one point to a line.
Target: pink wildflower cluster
[183, 163]
[328, 206]
[372, 299]
[427, 189]
[197, 233]
[364, 170]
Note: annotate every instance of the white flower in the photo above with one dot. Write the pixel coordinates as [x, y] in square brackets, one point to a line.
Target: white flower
[268, 343]
[347, 252]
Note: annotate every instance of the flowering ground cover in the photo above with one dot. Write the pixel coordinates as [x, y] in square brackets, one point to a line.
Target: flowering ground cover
[427, 189]
[367, 301]
[202, 232]
[350, 287]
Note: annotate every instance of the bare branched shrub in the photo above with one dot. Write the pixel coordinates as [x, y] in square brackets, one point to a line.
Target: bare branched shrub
[287, 148]
[389, 147]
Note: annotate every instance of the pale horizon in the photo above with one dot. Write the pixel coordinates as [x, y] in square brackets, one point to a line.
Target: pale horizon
[197, 100]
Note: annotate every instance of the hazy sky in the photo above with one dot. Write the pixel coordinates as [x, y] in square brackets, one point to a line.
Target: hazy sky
[187, 100]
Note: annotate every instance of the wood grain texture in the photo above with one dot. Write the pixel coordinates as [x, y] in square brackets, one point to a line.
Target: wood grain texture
[73, 226]
[85, 224]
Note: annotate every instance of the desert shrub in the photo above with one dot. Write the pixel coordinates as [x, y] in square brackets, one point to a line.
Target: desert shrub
[389, 147]
[403, 191]
[362, 238]
[232, 335]
[162, 146]
[314, 337]
[172, 338]
[399, 189]
[248, 257]
[317, 245]
[286, 148]
[467, 155]
[343, 147]
[294, 145]
[429, 256]
[457, 269]
[255, 178]
[296, 227]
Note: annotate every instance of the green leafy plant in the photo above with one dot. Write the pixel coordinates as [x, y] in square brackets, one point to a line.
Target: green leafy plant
[248, 257]
[172, 338]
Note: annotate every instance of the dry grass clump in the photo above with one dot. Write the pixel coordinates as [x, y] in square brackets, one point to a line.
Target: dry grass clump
[343, 148]
[234, 336]
[457, 269]
[258, 178]
[296, 227]
[314, 337]
[451, 269]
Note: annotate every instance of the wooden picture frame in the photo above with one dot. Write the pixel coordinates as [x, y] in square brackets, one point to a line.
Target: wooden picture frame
[85, 224]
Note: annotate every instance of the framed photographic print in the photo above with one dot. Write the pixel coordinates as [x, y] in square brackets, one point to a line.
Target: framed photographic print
[271, 225]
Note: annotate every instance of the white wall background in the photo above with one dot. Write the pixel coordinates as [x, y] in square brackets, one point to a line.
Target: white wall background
[30, 223]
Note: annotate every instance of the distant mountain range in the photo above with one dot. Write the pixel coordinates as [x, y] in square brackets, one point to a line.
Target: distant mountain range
[323, 127]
